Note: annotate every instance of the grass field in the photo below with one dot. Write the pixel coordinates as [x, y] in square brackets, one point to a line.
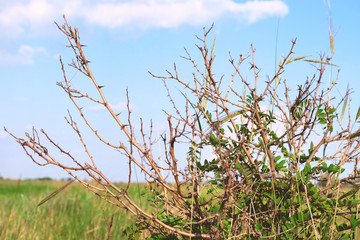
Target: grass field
[75, 213]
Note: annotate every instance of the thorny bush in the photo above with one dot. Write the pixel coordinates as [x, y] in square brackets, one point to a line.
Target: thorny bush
[274, 156]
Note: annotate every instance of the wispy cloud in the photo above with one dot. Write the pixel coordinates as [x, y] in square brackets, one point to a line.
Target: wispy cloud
[20, 16]
[24, 19]
[23, 56]
[173, 13]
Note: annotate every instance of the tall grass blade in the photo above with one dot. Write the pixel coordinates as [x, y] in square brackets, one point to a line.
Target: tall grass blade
[331, 29]
[53, 194]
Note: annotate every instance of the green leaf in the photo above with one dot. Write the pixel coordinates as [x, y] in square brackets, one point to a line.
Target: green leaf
[293, 220]
[311, 147]
[354, 222]
[322, 115]
[301, 216]
[211, 190]
[323, 121]
[319, 111]
[289, 236]
[281, 164]
[213, 139]
[345, 236]
[259, 227]
[215, 208]
[342, 227]
[213, 182]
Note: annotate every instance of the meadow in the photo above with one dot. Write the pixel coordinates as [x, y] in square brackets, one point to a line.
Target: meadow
[74, 213]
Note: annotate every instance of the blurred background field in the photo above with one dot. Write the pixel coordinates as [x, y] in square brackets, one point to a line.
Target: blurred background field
[75, 213]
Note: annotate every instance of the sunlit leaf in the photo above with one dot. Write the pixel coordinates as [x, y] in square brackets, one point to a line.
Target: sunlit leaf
[291, 59]
[344, 107]
[318, 61]
[331, 43]
[278, 76]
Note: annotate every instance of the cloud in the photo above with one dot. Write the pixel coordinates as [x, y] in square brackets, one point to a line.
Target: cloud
[23, 56]
[254, 11]
[173, 13]
[24, 19]
[35, 17]
[17, 17]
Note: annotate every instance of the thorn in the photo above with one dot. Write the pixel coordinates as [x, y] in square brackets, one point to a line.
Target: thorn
[253, 66]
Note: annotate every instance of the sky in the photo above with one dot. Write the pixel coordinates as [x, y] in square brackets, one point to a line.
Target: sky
[126, 39]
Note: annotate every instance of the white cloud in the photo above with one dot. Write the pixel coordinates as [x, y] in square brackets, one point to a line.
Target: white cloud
[254, 11]
[23, 56]
[173, 13]
[21, 19]
[36, 16]
[16, 17]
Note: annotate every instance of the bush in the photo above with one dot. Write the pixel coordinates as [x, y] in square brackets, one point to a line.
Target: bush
[257, 182]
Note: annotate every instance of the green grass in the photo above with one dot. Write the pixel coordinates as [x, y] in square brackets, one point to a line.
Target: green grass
[75, 213]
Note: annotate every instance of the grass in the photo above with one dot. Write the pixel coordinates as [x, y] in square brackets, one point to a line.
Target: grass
[73, 214]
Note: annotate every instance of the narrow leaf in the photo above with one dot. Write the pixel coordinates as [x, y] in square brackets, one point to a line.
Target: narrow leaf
[357, 114]
[344, 107]
[322, 62]
[290, 60]
[53, 194]
[193, 106]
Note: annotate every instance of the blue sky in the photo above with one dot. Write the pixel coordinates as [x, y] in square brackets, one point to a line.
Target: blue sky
[126, 39]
